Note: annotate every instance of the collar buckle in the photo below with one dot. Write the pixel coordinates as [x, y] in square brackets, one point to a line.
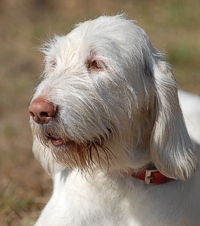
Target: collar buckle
[148, 176]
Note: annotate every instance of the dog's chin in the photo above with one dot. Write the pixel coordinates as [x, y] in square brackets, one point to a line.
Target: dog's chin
[72, 154]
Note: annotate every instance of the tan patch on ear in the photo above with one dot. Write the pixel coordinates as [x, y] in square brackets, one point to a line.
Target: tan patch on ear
[165, 68]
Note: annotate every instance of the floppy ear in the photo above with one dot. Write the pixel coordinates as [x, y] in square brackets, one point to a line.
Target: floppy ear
[45, 158]
[171, 148]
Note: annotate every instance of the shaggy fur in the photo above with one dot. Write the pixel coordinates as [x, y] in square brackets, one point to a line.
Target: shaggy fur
[117, 111]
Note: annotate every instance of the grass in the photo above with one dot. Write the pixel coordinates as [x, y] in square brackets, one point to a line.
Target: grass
[173, 26]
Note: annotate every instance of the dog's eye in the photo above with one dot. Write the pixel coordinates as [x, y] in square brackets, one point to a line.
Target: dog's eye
[95, 65]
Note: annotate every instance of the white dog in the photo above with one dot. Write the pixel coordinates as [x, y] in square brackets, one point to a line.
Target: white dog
[107, 125]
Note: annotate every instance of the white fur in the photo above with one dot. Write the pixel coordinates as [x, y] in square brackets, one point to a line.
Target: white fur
[128, 110]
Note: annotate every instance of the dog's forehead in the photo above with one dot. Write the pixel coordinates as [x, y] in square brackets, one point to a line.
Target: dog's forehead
[98, 33]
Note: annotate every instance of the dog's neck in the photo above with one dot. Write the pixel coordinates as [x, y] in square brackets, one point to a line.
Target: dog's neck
[150, 175]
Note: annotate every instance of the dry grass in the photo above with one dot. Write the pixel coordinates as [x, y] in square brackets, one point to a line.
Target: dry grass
[173, 26]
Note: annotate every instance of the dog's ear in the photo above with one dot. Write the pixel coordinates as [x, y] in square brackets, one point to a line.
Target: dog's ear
[45, 158]
[170, 146]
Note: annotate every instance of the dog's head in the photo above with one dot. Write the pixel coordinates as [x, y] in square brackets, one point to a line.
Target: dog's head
[112, 100]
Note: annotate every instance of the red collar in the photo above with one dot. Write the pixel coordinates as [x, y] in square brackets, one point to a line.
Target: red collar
[150, 175]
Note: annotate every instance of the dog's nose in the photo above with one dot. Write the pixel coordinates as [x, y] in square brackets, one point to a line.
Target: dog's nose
[42, 111]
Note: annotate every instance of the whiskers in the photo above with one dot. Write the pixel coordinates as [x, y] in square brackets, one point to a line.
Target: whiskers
[102, 154]
[84, 156]
[75, 154]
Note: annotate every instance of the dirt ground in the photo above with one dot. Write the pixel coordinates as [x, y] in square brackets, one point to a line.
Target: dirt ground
[173, 26]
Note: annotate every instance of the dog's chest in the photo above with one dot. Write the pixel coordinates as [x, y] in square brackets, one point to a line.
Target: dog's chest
[99, 200]
[91, 201]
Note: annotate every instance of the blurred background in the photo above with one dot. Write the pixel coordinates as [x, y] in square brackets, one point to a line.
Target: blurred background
[173, 27]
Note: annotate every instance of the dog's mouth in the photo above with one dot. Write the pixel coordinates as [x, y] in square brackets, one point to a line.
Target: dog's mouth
[56, 141]
[63, 141]
[59, 142]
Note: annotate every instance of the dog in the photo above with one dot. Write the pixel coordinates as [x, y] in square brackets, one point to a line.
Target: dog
[108, 127]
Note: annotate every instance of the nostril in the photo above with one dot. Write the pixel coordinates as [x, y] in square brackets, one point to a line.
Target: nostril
[31, 113]
[44, 114]
[42, 111]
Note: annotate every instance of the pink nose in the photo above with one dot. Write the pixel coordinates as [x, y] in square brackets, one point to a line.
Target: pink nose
[42, 111]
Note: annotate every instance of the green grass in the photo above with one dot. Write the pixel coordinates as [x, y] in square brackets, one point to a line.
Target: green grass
[14, 205]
